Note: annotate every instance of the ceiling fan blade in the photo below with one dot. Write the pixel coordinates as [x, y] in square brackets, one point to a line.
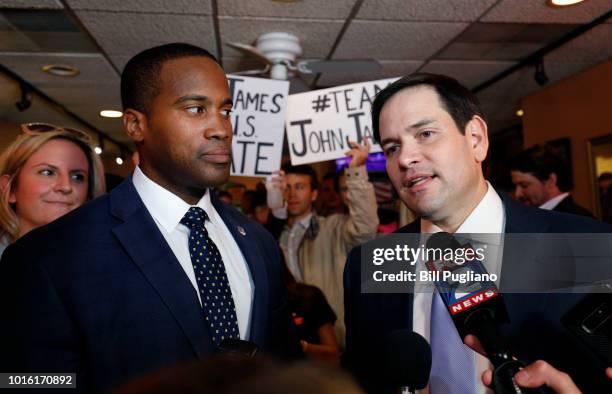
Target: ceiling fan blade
[298, 85]
[343, 66]
[249, 51]
[253, 72]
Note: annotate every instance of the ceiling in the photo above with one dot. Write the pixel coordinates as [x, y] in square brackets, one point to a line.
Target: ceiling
[471, 40]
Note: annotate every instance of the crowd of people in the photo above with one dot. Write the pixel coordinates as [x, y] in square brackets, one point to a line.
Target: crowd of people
[164, 270]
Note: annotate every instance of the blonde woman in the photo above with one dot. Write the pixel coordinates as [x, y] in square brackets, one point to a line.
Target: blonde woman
[45, 173]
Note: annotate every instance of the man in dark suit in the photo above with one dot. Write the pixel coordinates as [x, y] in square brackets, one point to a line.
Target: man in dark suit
[434, 137]
[157, 272]
[542, 179]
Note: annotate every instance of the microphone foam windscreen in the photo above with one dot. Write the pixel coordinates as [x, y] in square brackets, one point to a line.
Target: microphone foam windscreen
[408, 359]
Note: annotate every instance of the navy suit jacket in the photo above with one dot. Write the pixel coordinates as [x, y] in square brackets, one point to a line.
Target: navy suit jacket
[535, 331]
[100, 293]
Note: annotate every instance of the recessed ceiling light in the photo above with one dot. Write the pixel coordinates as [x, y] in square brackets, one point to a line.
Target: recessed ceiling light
[61, 70]
[562, 3]
[109, 113]
[98, 150]
[119, 160]
[520, 112]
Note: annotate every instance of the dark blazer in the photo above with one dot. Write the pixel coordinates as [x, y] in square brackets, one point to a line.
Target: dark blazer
[535, 330]
[100, 293]
[568, 205]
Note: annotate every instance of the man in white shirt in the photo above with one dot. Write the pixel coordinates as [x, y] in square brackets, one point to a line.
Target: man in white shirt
[541, 179]
[157, 272]
[434, 137]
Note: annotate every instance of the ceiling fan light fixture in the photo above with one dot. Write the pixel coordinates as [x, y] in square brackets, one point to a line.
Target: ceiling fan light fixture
[61, 70]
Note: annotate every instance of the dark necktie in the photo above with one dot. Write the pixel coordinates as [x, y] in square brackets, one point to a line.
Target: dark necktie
[215, 293]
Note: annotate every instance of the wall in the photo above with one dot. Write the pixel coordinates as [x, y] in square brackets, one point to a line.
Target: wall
[579, 108]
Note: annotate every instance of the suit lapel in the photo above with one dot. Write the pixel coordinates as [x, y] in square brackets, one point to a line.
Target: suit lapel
[240, 229]
[147, 247]
[516, 257]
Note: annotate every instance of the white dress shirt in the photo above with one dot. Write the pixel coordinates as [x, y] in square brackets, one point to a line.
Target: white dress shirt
[167, 209]
[487, 218]
[553, 202]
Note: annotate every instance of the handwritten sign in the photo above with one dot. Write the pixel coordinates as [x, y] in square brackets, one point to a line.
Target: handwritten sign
[258, 123]
[321, 122]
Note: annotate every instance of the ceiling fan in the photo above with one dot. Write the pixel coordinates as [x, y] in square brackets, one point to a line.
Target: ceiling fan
[279, 51]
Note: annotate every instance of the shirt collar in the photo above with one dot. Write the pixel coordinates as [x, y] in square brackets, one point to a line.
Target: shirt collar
[305, 221]
[166, 207]
[486, 218]
[553, 202]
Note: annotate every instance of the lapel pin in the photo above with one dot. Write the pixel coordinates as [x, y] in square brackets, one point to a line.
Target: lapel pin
[241, 230]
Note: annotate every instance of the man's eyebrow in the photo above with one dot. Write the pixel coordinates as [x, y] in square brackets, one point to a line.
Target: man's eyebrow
[421, 123]
[193, 97]
[385, 141]
[227, 101]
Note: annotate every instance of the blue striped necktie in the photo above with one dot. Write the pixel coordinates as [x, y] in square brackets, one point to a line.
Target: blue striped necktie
[452, 362]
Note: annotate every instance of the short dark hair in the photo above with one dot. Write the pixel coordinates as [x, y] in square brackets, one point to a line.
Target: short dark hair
[333, 175]
[140, 76]
[541, 161]
[456, 99]
[303, 169]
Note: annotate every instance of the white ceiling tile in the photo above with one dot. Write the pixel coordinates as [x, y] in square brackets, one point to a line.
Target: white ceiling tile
[396, 40]
[592, 46]
[469, 74]
[93, 68]
[129, 33]
[39, 4]
[316, 37]
[536, 11]
[190, 7]
[389, 69]
[419, 10]
[311, 9]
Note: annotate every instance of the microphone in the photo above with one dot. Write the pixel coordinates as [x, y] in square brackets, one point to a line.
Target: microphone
[476, 308]
[408, 360]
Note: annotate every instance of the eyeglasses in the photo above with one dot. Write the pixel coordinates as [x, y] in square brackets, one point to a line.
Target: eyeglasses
[41, 128]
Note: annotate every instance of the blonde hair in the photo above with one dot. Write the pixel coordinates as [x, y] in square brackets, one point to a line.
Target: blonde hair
[18, 153]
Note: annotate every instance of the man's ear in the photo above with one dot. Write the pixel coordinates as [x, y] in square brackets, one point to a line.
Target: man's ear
[134, 124]
[552, 180]
[4, 183]
[477, 133]
[313, 195]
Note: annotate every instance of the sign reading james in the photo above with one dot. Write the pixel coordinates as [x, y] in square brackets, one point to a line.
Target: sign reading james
[320, 123]
[257, 120]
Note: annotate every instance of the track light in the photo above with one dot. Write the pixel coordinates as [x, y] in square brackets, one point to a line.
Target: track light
[26, 99]
[540, 75]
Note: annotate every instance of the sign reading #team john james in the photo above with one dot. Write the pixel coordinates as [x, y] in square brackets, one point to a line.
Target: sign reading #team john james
[258, 122]
[321, 122]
